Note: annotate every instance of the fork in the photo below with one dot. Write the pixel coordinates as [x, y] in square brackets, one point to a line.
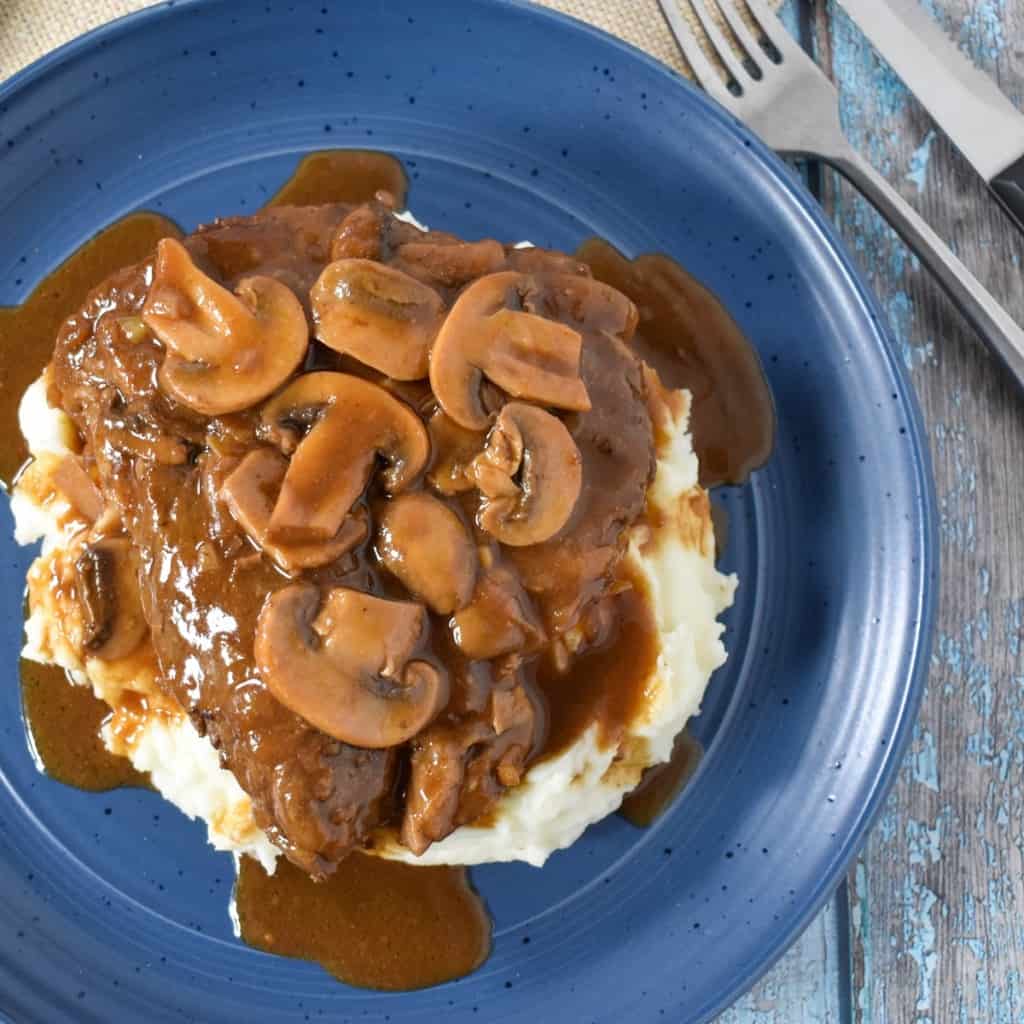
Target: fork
[783, 96]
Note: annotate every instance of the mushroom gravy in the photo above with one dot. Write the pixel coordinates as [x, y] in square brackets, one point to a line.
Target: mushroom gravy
[64, 722]
[341, 699]
[688, 336]
[544, 703]
[662, 783]
[343, 176]
[374, 923]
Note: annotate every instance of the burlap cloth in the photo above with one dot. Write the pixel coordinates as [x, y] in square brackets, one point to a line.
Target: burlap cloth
[30, 28]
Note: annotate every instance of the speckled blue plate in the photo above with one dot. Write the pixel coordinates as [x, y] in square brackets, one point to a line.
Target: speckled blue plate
[517, 123]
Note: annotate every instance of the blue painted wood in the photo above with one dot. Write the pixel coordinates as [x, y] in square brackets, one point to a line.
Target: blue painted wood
[808, 985]
[936, 899]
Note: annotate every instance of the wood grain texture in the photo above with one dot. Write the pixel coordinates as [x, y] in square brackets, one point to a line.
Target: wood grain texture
[809, 985]
[937, 896]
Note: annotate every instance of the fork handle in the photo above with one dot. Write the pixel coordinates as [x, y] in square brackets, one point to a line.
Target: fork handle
[980, 309]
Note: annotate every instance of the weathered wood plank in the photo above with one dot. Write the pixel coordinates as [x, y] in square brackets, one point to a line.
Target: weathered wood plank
[936, 898]
[807, 985]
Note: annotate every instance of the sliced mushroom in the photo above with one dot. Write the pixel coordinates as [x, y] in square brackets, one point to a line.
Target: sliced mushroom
[225, 352]
[451, 264]
[526, 355]
[346, 666]
[423, 542]
[453, 449]
[499, 620]
[108, 589]
[530, 474]
[354, 422]
[378, 315]
[250, 492]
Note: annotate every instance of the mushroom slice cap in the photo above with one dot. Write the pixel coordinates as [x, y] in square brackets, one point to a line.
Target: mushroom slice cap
[225, 352]
[530, 474]
[250, 491]
[499, 620]
[528, 356]
[108, 590]
[378, 315]
[354, 422]
[347, 668]
[422, 542]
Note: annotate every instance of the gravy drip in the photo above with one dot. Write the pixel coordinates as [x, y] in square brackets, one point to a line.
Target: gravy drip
[688, 336]
[374, 923]
[661, 784]
[64, 722]
[606, 683]
[343, 176]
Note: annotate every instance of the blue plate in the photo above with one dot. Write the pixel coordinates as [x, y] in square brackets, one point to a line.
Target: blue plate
[518, 123]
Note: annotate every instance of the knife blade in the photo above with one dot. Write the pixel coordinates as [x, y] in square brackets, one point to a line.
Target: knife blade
[966, 104]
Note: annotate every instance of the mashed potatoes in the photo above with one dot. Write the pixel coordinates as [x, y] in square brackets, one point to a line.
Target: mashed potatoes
[559, 797]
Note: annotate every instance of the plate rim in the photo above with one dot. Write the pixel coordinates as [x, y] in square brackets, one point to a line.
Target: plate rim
[928, 589]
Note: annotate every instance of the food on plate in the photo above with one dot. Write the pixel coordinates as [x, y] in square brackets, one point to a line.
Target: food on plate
[373, 540]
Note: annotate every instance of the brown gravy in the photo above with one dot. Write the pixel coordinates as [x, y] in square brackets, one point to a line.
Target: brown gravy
[343, 176]
[606, 684]
[661, 784]
[27, 332]
[377, 923]
[64, 722]
[688, 336]
[374, 923]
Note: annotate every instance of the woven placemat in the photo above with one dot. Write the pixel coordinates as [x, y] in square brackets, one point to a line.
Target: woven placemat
[30, 28]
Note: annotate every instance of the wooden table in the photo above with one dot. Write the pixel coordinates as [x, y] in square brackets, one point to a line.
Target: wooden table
[928, 927]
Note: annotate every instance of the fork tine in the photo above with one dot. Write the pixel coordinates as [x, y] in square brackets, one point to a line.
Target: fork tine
[704, 71]
[741, 32]
[775, 31]
[721, 45]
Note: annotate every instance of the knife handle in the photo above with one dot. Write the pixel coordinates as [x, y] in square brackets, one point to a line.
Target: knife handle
[1008, 185]
[994, 325]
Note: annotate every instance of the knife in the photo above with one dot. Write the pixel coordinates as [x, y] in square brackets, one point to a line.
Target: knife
[983, 124]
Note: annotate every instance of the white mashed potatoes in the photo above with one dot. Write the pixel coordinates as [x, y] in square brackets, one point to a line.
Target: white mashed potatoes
[559, 796]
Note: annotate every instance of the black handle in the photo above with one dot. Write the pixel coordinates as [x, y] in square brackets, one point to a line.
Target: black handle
[1008, 185]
